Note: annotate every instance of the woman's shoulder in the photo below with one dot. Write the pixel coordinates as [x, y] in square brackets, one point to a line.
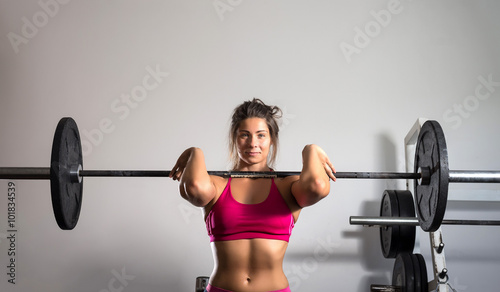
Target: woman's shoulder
[285, 184]
[287, 180]
[219, 182]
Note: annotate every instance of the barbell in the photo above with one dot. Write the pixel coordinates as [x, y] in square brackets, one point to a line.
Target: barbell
[431, 174]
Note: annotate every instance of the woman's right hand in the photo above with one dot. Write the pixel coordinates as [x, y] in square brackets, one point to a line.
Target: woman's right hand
[181, 163]
[196, 186]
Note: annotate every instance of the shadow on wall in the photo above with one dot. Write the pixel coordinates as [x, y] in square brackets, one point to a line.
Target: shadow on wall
[370, 250]
[124, 279]
[370, 255]
[387, 161]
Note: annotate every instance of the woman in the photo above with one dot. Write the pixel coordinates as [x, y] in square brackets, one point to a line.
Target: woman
[249, 221]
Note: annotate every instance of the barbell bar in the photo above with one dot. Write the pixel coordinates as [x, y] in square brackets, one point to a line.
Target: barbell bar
[43, 173]
[431, 174]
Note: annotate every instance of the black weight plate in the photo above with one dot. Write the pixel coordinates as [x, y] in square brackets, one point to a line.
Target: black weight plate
[406, 209]
[403, 274]
[431, 199]
[420, 269]
[66, 154]
[397, 239]
[416, 273]
[389, 235]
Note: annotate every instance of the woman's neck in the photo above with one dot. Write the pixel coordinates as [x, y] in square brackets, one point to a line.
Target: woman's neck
[253, 167]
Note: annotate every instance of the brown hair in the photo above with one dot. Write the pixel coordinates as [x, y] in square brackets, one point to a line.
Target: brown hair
[255, 108]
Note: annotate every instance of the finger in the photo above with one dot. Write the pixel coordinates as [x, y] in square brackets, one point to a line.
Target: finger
[174, 169]
[331, 170]
[330, 174]
[178, 174]
[330, 164]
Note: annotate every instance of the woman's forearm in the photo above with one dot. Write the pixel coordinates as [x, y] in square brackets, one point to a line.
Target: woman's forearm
[314, 181]
[196, 186]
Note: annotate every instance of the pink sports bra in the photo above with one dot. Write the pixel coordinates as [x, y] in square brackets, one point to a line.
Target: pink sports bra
[232, 220]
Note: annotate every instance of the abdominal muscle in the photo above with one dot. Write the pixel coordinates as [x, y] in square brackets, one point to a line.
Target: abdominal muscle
[249, 265]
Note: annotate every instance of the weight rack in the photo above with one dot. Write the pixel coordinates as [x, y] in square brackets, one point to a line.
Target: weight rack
[406, 277]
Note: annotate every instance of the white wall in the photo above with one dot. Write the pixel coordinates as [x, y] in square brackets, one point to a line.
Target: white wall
[351, 76]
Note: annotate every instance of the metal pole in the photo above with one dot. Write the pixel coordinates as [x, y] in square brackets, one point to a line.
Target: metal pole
[385, 288]
[33, 173]
[455, 176]
[28, 173]
[383, 221]
[250, 174]
[124, 173]
[474, 176]
[411, 221]
[165, 173]
[44, 173]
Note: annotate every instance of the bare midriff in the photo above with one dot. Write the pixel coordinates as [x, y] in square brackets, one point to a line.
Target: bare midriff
[249, 265]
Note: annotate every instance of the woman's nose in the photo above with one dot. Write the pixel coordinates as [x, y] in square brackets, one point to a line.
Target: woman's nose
[252, 142]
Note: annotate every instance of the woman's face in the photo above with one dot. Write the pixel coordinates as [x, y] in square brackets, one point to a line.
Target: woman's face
[254, 141]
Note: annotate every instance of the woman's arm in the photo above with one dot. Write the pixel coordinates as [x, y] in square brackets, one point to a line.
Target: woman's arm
[196, 185]
[314, 180]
